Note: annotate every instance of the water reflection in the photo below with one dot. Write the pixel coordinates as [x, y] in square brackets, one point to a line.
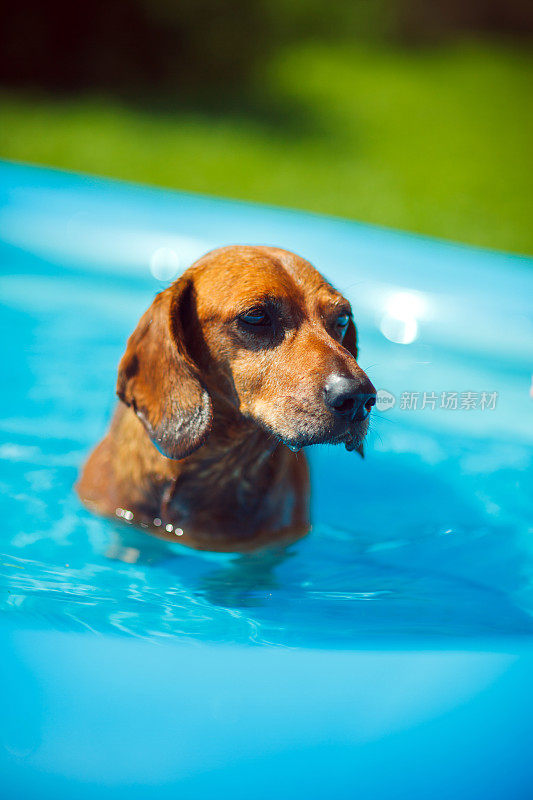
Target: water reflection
[248, 581]
[165, 264]
[403, 311]
[232, 581]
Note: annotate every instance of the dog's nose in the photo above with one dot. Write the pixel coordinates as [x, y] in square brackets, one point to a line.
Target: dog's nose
[350, 397]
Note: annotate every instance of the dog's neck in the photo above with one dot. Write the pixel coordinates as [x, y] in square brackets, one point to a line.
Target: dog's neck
[234, 468]
[233, 450]
[241, 488]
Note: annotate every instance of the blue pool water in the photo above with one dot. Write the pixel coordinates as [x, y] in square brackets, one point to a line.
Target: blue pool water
[411, 598]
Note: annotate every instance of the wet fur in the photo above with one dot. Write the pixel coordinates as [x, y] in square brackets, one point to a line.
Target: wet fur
[197, 442]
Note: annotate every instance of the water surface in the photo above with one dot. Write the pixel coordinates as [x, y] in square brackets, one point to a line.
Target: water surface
[427, 537]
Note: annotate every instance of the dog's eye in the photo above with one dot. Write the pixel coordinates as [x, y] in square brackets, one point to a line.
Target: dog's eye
[341, 323]
[256, 317]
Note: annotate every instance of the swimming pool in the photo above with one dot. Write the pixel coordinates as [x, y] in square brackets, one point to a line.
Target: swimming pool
[389, 653]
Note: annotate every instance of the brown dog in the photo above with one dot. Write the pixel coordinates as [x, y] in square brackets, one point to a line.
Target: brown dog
[246, 358]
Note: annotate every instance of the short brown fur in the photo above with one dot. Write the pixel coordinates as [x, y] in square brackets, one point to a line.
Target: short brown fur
[198, 449]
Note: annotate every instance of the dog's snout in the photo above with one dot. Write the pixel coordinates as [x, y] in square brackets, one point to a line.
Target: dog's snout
[350, 397]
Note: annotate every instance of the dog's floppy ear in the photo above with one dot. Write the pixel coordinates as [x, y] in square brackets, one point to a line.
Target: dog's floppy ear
[350, 338]
[161, 382]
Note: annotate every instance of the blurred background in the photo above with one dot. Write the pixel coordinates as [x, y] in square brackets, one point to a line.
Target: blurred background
[405, 113]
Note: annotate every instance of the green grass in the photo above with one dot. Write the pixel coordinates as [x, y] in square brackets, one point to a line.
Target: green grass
[436, 141]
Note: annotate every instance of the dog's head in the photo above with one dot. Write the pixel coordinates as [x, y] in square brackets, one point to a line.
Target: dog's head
[256, 328]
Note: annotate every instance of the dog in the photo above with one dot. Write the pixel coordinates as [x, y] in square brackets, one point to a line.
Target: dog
[245, 359]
